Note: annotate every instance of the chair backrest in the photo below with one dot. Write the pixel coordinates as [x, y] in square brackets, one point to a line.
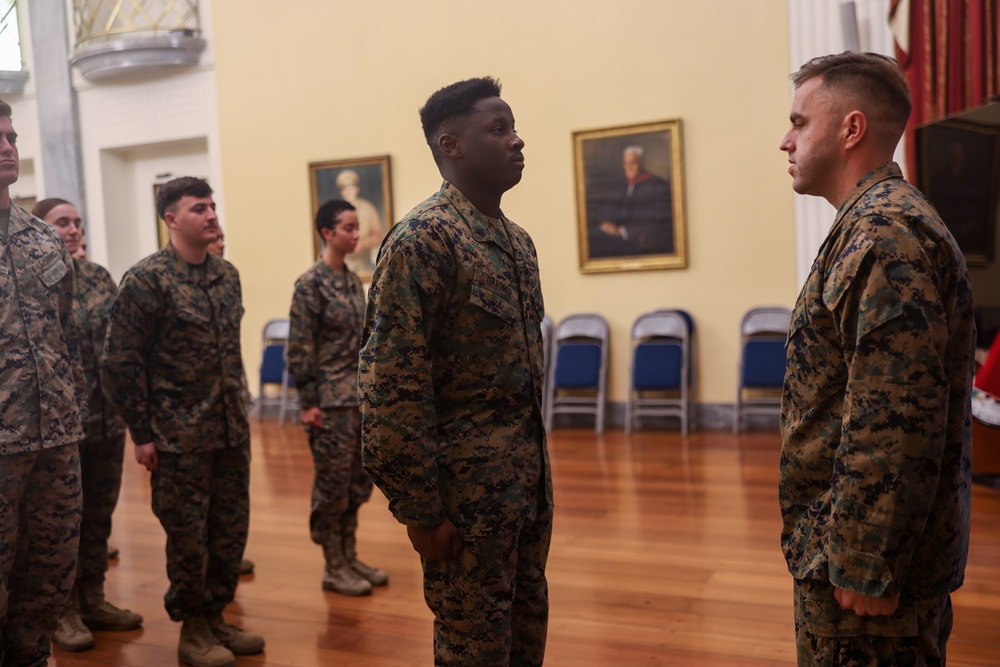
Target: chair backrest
[272, 364]
[661, 344]
[578, 366]
[683, 313]
[662, 323]
[766, 320]
[583, 325]
[581, 352]
[764, 364]
[276, 330]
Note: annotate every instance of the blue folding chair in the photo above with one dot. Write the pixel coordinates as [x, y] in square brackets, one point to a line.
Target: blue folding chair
[763, 333]
[273, 372]
[660, 377]
[577, 383]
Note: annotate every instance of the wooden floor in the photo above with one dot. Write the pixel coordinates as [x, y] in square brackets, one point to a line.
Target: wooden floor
[665, 552]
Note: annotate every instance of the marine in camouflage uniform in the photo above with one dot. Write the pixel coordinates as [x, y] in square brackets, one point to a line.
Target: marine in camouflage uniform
[324, 338]
[450, 384]
[101, 450]
[875, 459]
[40, 426]
[173, 368]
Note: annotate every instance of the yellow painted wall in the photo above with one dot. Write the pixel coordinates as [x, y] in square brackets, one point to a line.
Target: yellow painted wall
[331, 80]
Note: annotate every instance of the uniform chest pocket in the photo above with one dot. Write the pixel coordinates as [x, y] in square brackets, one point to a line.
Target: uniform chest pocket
[815, 368]
[194, 318]
[502, 311]
[42, 281]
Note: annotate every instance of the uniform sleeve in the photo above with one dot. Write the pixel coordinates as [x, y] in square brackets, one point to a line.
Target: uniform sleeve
[894, 421]
[395, 380]
[72, 332]
[126, 354]
[303, 332]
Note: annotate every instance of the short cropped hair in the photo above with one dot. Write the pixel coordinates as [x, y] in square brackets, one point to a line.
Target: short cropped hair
[875, 82]
[42, 208]
[5, 110]
[326, 216]
[453, 101]
[173, 191]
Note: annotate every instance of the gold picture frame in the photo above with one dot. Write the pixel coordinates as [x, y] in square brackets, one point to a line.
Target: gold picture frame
[630, 197]
[371, 179]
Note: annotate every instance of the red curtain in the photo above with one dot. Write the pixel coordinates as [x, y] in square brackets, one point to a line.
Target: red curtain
[950, 58]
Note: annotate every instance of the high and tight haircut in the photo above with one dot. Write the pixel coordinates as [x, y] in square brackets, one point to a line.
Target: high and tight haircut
[454, 101]
[328, 214]
[173, 191]
[876, 82]
[42, 208]
[5, 110]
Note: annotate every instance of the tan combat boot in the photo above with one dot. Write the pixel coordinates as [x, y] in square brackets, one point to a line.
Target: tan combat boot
[235, 639]
[198, 647]
[339, 576]
[375, 576]
[99, 614]
[71, 634]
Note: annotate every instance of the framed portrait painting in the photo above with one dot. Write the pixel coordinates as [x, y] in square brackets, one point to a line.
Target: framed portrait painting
[630, 197]
[367, 184]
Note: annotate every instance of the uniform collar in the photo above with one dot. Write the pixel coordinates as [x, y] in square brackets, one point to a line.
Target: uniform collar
[20, 220]
[483, 228]
[182, 269]
[888, 171]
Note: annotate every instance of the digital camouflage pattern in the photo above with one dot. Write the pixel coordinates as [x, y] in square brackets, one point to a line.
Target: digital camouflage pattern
[450, 386]
[324, 336]
[41, 362]
[94, 293]
[480, 618]
[203, 504]
[341, 484]
[173, 364]
[102, 450]
[101, 462]
[39, 533]
[875, 461]
[917, 638]
[40, 427]
[451, 371]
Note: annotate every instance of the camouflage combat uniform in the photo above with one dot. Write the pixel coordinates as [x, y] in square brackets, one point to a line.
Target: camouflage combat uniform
[450, 388]
[323, 342]
[40, 428]
[875, 460]
[102, 450]
[174, 370]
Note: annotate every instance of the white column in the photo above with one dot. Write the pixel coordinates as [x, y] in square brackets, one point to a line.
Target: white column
[58, 120]
[816, 29]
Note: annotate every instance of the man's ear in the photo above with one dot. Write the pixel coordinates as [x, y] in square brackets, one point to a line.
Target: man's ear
[855, 129]
[170, 219]
[448, 145]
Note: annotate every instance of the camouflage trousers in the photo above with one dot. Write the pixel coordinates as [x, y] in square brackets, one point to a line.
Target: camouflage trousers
[101, 474]
[491, 603]
[203, 503]
[341, 485]
[39, 540]
[828, 636]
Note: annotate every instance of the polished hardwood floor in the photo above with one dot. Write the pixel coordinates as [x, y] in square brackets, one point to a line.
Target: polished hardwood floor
[665, 552]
